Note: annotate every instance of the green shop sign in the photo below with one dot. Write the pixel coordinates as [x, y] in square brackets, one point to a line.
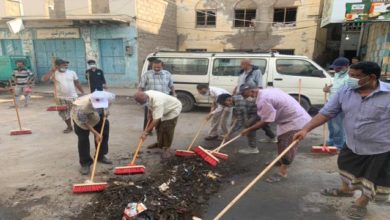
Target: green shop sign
[368, 10]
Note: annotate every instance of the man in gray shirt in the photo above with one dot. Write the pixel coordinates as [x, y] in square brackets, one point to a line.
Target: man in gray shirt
[249, 74]
[364, 162]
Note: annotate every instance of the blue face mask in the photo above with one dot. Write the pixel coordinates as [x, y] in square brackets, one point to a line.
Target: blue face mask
[353, 83]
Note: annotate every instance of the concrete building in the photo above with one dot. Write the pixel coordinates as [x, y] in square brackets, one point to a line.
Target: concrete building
[289, 26]
[117, 34]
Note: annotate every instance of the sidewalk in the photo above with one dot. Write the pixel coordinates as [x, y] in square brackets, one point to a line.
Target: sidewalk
[47, 90]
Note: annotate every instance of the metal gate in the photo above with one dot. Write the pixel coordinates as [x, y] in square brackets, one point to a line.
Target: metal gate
[72, 50]
[11, 47]
[112, 56]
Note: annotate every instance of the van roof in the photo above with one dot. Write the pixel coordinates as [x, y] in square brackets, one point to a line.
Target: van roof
[220, 54]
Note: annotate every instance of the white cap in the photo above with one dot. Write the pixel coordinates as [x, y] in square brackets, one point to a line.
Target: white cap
[100, 99]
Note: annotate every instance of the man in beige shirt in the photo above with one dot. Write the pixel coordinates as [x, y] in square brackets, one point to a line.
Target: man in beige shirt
[164, 111]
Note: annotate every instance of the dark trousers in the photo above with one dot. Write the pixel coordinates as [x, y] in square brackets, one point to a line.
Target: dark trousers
[145, 116]
[165, 132]
[84, 145]
[268, 131]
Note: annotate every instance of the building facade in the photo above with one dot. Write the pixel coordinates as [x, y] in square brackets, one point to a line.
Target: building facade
[117, 34]
[289, 26]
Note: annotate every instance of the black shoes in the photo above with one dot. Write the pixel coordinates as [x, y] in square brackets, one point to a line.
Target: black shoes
[105, 160]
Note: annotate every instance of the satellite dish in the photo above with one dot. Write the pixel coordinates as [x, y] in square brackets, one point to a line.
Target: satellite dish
[15, 25]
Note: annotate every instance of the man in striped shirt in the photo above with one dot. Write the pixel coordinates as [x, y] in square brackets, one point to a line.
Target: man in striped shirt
[22, 78]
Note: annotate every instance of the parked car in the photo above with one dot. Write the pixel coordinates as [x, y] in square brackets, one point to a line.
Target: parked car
[222, 69]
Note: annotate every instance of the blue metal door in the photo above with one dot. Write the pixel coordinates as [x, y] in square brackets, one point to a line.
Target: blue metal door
[11, 47]
[112, 56]
[72, 50]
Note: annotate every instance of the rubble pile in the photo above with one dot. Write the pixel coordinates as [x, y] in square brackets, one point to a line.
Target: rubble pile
[179, 190]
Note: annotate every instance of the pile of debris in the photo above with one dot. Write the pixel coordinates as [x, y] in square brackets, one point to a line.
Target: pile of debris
[179, 190]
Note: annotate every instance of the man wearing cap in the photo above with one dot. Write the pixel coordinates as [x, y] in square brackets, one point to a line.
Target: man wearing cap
[66, 83]
[335, 125]
[23, 79]
[164, 111]
[276, 106]
[95, 77]
[88, 113]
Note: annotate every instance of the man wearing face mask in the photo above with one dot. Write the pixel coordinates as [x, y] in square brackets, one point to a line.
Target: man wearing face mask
[335, 125]
[156, 79]
[364, 162]
[164, 111]
[276, 106]
[95, 76]
[67, 81]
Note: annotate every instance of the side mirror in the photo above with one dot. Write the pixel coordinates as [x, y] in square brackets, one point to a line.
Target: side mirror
[318, 73]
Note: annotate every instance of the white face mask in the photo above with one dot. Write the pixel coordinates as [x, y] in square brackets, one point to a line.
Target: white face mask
[250, 99]
[92, 66]
[63, 69]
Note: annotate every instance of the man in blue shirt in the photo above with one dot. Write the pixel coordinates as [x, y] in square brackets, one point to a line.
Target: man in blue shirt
[364, 162]
[335, 125]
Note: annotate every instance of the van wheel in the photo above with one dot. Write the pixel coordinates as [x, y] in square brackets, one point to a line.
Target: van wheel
[186, 100]
[304, 103]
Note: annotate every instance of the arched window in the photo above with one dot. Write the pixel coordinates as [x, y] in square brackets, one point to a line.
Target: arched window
[244, 13]
[206, 13]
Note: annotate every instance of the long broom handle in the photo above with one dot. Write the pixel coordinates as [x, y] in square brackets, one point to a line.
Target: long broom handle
[197, 134]
[141, 141]
[54, 81]
[98, 147]
[253, 182]
[299, 90]
[16, 107]
[227, 143]
[323, 126]
[229, 132]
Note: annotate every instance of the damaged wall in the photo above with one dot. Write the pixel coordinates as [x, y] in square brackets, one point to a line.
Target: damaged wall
[156, 27]
[262, 37]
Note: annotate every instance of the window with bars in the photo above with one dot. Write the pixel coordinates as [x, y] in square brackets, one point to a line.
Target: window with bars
[206, 18]
[285, 16]
[244, 17]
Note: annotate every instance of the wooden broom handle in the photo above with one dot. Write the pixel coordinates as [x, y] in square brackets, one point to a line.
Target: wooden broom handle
[54, 80]
[299, 90]
[141, 141]
[324, 126]
[253, 182]
[227, 143]
[98, 147]
[229, 132]
[16, 106]
[197, 134]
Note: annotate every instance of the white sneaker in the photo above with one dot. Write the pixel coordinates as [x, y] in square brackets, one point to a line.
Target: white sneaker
[249, 150]
[269, 140]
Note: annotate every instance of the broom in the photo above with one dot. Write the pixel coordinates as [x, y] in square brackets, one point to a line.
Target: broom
[209, 156]
[324, 148]
[89, 185]
[254, 181]
[188, 152]
[56, 107]
[131, 168]
[21, 131]
[216, 152]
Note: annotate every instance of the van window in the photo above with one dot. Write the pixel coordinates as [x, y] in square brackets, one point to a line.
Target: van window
[231, 66]
[185, 66]
[295, 67]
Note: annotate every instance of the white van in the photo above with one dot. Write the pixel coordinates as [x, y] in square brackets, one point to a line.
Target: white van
[222, 69]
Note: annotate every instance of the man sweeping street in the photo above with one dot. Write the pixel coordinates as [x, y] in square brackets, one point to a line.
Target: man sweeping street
[364, 162]
[95, 77]
[335, 125]
[23, 79]
[156, 79]
[163, 112]
[276, 106]
[67, 81]
[87, 113]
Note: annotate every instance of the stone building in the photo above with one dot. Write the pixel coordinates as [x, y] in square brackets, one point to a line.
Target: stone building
[117, 34]
[289, 26]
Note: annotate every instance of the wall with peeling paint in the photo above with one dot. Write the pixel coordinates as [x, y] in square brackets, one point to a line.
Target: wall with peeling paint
[263, 37]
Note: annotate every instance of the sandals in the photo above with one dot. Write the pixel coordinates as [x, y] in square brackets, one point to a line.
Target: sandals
[68, 130]
[335, 192]
[276, 177]
[356, 212]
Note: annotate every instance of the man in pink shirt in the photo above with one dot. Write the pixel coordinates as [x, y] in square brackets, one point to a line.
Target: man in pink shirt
[276, 106]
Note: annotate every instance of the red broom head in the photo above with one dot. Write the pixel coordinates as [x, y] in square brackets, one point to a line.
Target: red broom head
[129, 170]
[322, 149]
[57, 108]
[220, 155]
[184, 153]
[21, 132]
[207, 156]
[89, 187]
